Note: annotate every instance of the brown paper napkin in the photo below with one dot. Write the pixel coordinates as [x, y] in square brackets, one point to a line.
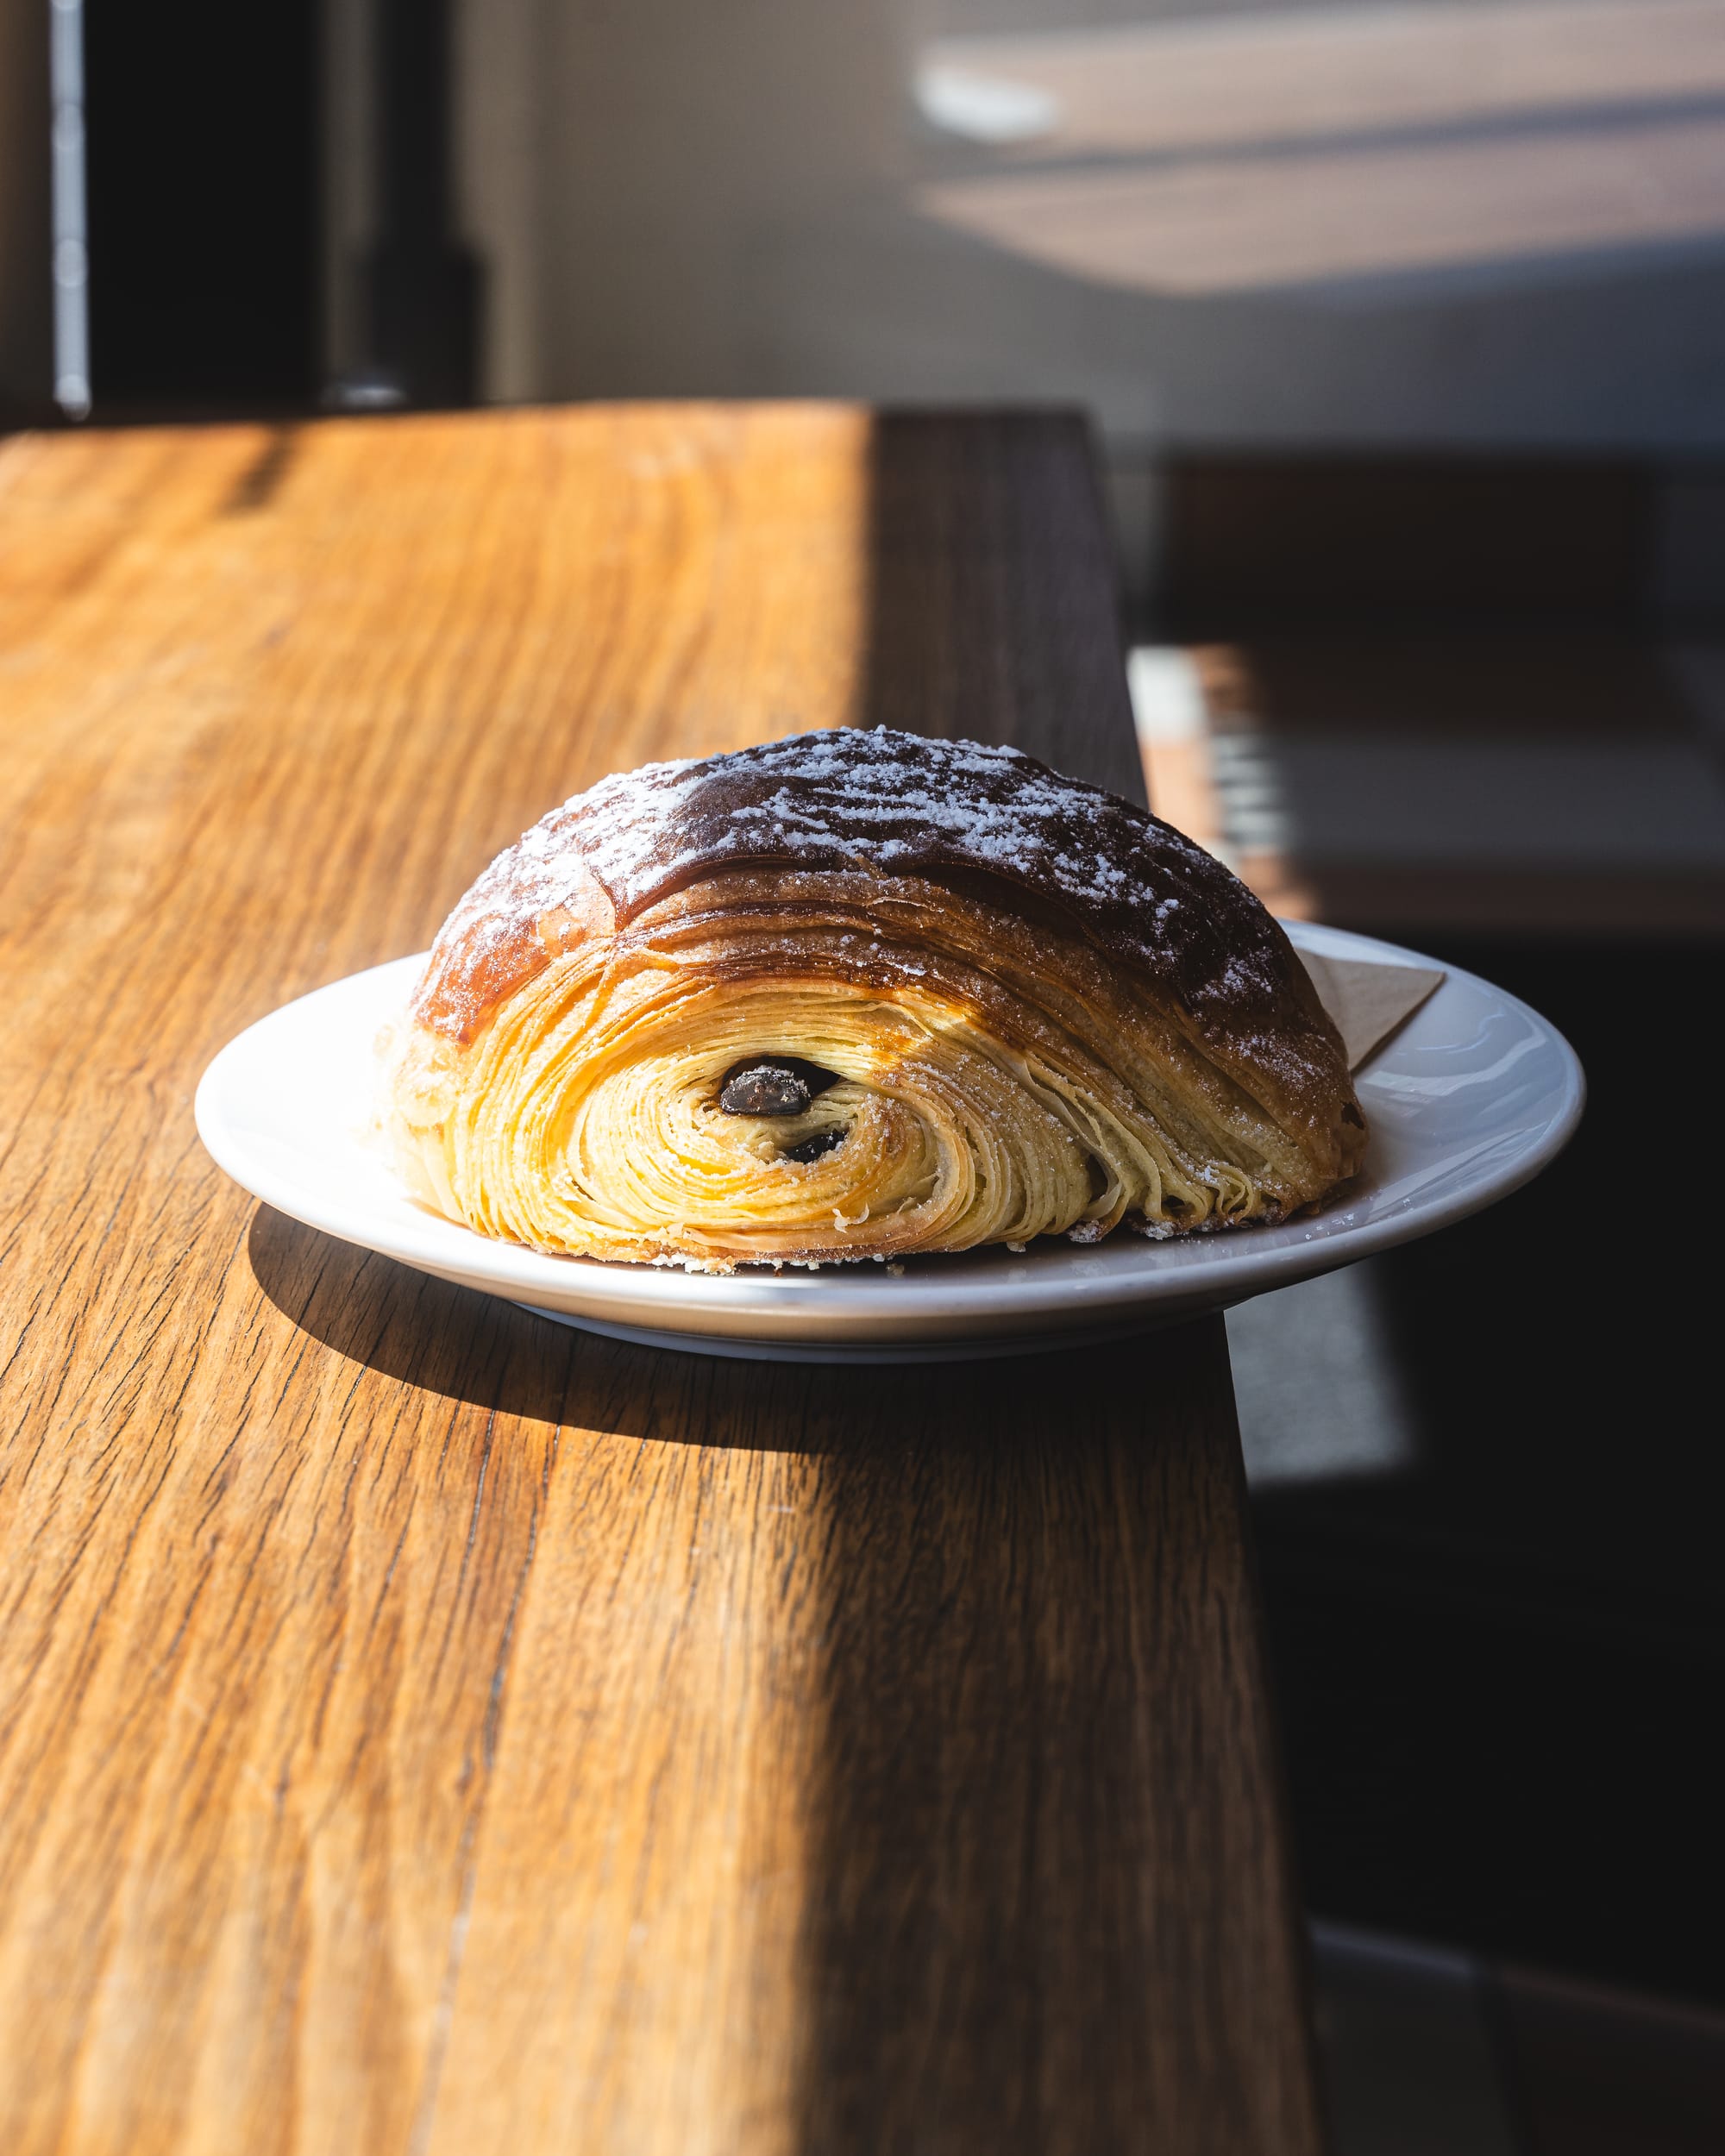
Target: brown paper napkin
[1368, 1000]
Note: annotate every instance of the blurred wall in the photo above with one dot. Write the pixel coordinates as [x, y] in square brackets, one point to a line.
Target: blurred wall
[644, 180]
[26, 286]
[1447, 223]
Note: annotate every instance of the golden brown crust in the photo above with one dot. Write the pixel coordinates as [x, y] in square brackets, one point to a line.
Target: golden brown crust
[1105, 970]
[989, 821]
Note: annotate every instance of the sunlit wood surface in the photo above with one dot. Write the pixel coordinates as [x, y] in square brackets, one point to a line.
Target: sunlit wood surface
[424, 1729]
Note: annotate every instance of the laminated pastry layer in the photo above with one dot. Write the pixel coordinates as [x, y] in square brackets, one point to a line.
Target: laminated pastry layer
[991, 1074]
[987, 823]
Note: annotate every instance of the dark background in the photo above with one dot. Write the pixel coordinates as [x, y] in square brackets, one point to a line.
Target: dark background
[203, 158]
[1502, 1674]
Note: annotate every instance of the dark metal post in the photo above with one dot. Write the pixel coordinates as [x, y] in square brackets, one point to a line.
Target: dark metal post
[423, 286]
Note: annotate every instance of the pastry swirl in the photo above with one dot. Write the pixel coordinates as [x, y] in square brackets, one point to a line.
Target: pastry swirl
[859, 995]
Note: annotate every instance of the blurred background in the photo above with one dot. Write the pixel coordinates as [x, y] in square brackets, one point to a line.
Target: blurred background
[1402, 327]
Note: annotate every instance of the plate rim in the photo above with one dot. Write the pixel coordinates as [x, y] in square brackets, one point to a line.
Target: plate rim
[764, 1306]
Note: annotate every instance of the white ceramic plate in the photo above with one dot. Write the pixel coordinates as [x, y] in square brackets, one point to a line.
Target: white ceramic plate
[1473, 1096]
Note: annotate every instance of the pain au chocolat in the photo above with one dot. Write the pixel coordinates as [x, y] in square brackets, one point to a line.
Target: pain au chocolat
[856, 995]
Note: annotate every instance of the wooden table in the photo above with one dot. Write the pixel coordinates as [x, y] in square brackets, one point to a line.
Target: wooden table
[422, 1728]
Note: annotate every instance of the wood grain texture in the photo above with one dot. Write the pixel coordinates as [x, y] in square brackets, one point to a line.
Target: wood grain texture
[426, 1730]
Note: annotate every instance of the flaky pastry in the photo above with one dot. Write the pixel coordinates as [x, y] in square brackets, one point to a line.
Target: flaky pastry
[859, 994]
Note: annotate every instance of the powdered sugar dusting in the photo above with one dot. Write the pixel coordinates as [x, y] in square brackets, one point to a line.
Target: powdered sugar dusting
[893, 801]
[901, 803]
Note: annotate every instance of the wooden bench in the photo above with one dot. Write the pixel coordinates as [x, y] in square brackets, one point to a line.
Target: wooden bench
[430, 1729]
